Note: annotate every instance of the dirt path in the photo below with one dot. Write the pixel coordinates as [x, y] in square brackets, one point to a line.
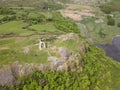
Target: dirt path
[3, 48]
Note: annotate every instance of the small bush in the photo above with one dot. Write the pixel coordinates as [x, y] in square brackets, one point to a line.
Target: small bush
[118, 24]
[110, 21]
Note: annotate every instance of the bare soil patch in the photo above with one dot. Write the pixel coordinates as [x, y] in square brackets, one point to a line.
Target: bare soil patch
[77, 15]
[3, 48]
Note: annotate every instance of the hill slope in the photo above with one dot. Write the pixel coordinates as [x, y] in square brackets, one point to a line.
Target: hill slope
[84, 70]
[40, 2]
[69, 61]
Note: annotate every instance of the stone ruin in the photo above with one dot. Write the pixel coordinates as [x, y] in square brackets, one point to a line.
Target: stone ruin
[41, 45]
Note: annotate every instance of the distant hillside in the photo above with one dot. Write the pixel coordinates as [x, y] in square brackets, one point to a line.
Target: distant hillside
[19, 2]
[84, 1]
[40, 2]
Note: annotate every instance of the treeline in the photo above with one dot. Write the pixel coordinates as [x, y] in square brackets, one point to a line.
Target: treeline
[94, 76]
[65, 24]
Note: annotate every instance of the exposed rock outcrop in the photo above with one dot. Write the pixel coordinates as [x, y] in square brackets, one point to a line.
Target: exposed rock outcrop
[6, 76]
[67, 37]
[64, 53]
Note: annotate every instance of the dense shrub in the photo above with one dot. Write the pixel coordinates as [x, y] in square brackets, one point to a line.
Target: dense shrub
[106, 9]
[36, 18]
[8, 18]
[65, 24]
[22, 15]
[110, 21]
[7, 11]
[118, 24]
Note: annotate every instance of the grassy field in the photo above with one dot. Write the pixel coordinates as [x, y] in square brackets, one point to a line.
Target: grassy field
[43, 27]
[14, 39]
[12, 49]
[14, 27]
[20, 34]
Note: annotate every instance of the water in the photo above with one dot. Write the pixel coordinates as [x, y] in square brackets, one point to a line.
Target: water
[112, 50]
[116, 40]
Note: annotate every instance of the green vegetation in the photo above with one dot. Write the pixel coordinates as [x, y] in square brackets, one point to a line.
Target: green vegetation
[8, 11]
[110, 7]
[110, 21]
[43, 27]
[96, 75]
[21, 28]
[65, 25]
[35, 18]
[51, 5]
[118, 24]
[13, 27]
[25, 29]
[101, 32]
[42, 4]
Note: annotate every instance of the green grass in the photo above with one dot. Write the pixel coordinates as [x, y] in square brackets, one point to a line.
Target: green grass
[15, 45]
[44, 27]
[12, 48]
[1, 16]
[47, 14]
[13, 27]
[34, 56]
[69, 44]
[15, 51]
[4, 42]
